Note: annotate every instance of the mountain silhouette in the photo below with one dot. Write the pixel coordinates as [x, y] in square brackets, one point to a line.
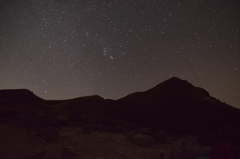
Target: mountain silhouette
[180, 107]
[174, 105]
[19, 96]
[174, 88]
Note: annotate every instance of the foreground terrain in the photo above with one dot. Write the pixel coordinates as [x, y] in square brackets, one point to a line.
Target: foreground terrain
[17, 142]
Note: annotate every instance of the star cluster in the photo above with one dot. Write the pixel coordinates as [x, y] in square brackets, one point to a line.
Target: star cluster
[63, 49]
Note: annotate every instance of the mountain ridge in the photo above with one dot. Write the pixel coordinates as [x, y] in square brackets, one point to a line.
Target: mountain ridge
[174, 105]
[173, 86]
[19, 95]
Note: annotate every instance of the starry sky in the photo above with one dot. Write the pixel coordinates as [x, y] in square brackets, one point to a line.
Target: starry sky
[62, 49]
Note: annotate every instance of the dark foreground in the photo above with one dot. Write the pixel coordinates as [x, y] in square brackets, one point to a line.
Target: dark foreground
[20, 143]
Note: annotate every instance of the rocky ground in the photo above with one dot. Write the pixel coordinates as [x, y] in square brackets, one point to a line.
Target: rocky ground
[70, 142]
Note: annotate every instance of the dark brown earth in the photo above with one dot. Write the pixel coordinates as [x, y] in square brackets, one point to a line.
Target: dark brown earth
[19, 143]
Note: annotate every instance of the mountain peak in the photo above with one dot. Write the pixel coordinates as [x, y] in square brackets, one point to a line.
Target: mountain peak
[176, 81]
[180, 89]
[174, 89]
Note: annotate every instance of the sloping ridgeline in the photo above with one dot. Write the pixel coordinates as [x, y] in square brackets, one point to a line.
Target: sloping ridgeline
[174, 105]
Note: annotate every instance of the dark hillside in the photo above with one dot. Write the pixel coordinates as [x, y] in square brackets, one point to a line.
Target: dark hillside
[174, 105]
[180, 107]
[19, 96]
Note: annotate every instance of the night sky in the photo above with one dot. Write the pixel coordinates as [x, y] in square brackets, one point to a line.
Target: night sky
[62, 49]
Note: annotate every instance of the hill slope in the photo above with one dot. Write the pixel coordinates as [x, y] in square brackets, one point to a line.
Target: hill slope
[19, 96]
[174, 105]
[178, 106]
